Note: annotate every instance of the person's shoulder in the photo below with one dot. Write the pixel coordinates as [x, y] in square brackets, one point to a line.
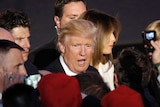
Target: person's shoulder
[54, 62]
[54, 66]
[48, 45]
[122, 96]
[30, 68]
[43, 56]
[122, 91]
[92, 69]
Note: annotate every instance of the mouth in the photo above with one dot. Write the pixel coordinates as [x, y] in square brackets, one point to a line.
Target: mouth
[81, 62]
[25, 52]
[111, 46]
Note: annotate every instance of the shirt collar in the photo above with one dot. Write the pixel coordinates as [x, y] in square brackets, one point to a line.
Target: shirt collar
[65, 67]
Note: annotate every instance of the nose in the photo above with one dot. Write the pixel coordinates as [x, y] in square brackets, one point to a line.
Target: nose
[23, 70]
[27, 42]
[113, 38]
[82, 52]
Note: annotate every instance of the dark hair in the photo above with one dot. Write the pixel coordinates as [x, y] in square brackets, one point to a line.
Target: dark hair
[10, 19]
[133, 68]
[91, 83]
[20, 95]
[59, 6]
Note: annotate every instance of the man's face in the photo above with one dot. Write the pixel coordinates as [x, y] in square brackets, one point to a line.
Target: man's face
[71, 11]
[21, 36]
[77, 52]
[13, 62]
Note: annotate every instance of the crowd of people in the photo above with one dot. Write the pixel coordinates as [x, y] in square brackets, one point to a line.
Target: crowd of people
[78, 68]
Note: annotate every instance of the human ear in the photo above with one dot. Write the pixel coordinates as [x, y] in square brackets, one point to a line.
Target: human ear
[61, 47]
[57, 21]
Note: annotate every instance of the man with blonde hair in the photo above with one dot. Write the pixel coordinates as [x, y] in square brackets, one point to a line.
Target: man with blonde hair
[76, 42]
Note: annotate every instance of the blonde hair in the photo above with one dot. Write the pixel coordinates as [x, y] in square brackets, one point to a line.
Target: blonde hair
[155, 25]
[78, 27]
[105, 24]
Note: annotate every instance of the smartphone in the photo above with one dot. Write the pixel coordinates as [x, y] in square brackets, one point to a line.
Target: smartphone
[147, 37]
[32, 80]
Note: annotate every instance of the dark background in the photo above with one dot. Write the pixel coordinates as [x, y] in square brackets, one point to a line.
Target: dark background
[134, 16]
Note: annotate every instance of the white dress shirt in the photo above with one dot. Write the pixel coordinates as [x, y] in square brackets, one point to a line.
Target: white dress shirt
[65, 67]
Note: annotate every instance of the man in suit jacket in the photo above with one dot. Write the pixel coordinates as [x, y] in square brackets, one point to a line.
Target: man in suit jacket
[59, 67]
[76, 45]
[64, 10]
[12, 68]
[18, 24]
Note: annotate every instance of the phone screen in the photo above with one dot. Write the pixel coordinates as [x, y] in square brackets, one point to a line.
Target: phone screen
[147, 37]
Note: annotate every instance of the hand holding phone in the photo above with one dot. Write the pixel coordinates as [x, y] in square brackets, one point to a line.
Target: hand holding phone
[147, 37]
